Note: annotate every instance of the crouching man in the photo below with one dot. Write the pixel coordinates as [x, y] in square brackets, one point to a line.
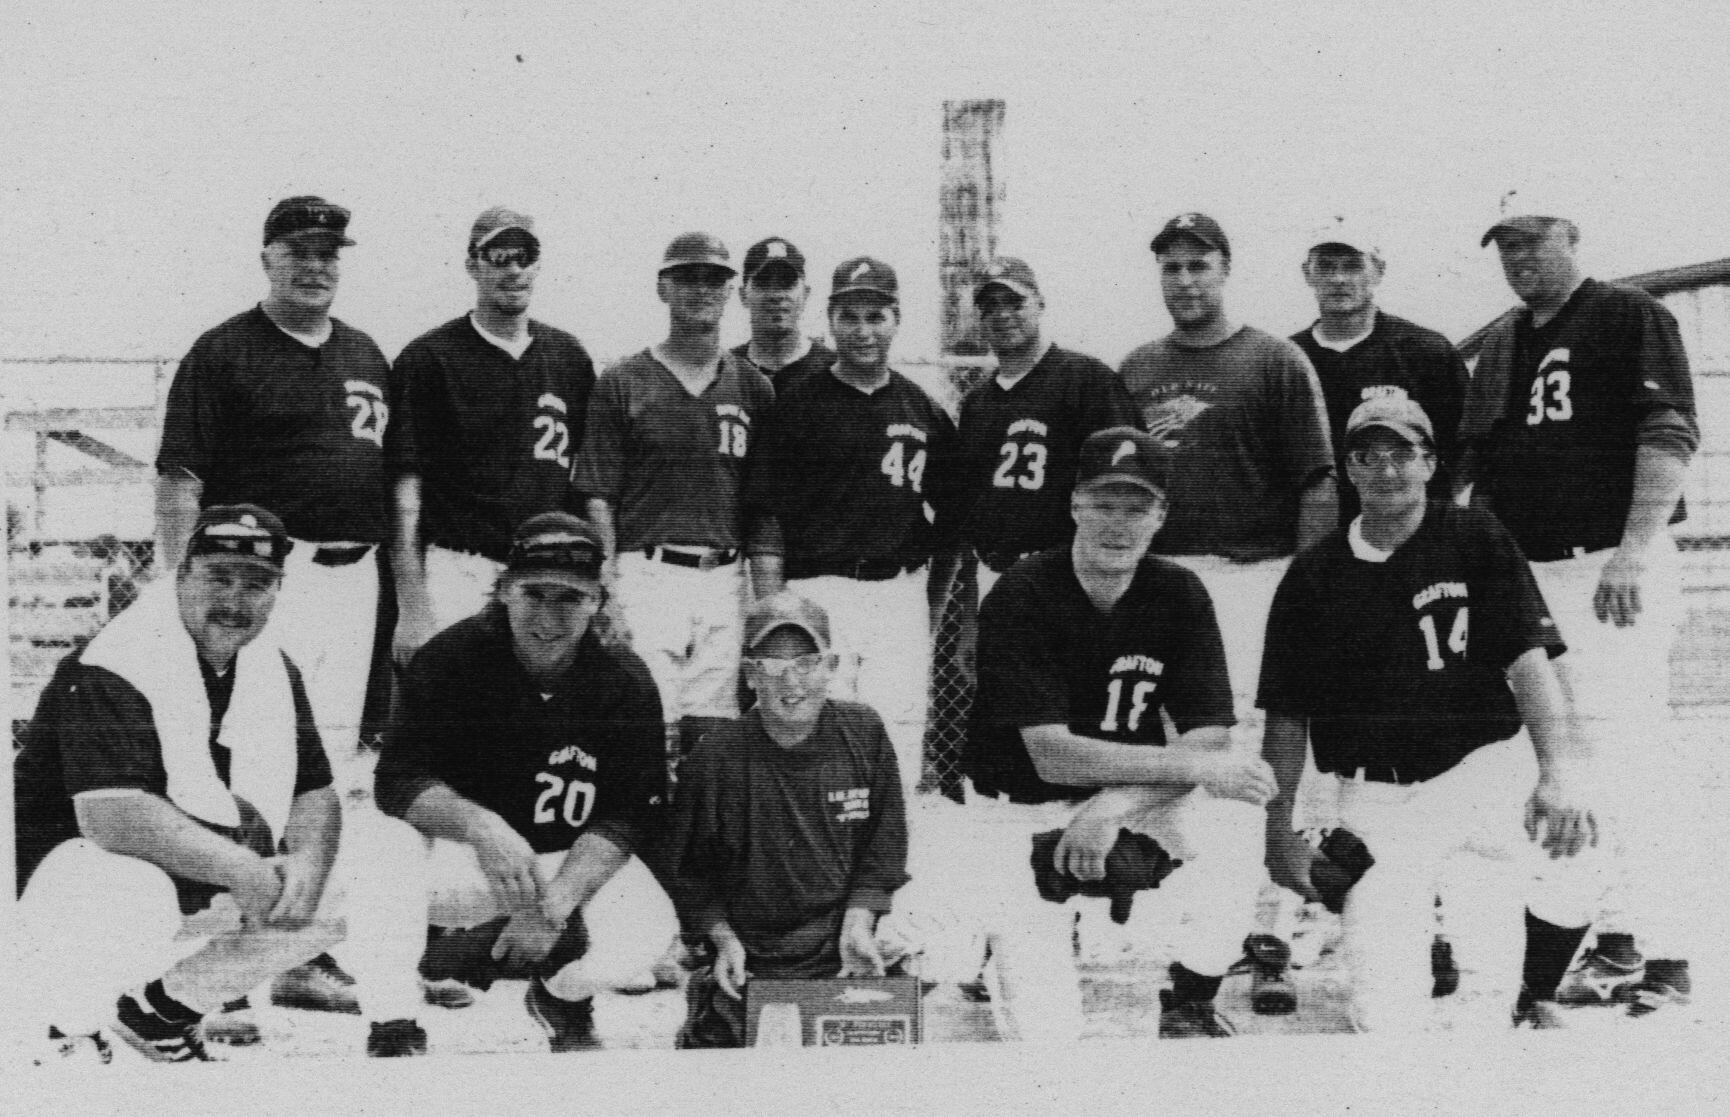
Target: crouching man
[179, 841]
[531, 757]
[792, 833]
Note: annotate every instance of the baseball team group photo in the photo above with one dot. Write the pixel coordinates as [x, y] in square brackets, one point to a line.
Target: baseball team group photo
[527, 598]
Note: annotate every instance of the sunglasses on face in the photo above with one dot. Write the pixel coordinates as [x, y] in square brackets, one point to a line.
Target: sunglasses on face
[801, 667]
[700, 277]
[1400, 456]
[508, 255]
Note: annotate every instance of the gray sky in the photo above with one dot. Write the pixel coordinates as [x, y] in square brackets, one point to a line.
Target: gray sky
[146, 143]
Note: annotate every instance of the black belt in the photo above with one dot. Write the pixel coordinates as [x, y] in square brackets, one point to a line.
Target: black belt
[871, 570]
[708, 560]
[999, 562]
[1025, 798]
[342, 554]
[1559, 554]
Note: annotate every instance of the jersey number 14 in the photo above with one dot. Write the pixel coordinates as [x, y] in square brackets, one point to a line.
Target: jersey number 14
[1456, 637]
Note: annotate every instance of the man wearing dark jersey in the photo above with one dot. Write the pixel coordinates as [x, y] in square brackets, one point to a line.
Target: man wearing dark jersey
[483, 434]
[530, 756]
[1582, 424]
[285, 406]
[1407, 650]
[1361, 351]
[792, 833]
[1083, 650]
[1021, 430]
[774, 291]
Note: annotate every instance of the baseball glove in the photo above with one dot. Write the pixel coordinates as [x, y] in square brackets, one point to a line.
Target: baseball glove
[1134, 863]
[1343, 862]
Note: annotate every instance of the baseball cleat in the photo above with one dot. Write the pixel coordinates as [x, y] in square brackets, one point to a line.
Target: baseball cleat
[1267, 959]
[570, 1025]
[395, 1039]
[81, 1048]
[1664, 983]
[318, 986]
[1191, 1019]
[1537, 1015]
[234, 1026]
[446, 992]
[1444, 974]
[1606, 974]
[159, 1040]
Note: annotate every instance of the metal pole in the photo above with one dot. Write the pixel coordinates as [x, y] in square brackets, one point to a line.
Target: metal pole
[969, 201]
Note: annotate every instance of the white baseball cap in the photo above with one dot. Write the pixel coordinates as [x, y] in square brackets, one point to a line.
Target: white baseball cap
[1348, 233]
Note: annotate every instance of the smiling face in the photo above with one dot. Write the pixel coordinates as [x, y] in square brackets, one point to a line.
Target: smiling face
[1538, 259]
[1115, 523]
[1010, 319]
[224, 604]
[504, 272]
[1389, 472]
[303, 271]
[1192, 281]
[548, 617]
[863, 325]
[791, 678]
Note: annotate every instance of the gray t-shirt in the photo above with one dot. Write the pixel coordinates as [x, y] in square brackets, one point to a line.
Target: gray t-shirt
[1248, 432]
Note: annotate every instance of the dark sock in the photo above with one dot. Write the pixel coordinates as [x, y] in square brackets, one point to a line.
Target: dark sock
[1187, 985]
[157, 1000]
[1669, 971]
[1549, 949]
[1618, 947]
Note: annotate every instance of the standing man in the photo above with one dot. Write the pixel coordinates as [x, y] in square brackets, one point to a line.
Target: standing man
[1083, 650]
[841, 468]
[1581, 426]
[1252, 476]
[179, 841]
[1361, 352]
[774, 292]
[662, 464]
[792, 833]
[484, 433]
[1021, 430]
[531, 757]
[1407, 651]
[284, 406]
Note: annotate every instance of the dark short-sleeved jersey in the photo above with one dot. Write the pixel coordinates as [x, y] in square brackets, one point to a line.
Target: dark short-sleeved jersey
[1561, 467]
[781, 842]
[589, 755]
[848, 474]
[259, 417]
[671, 462]
[1248, 432]
[1047, 656]
[1018, 448]
[1398, 358]
[93, 732]
[491, 436]
[819, 357]
[1402, 664]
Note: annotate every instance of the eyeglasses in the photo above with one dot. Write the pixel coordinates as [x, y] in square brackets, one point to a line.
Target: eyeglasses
[507, 255]
[802, 667]
[1400, 456]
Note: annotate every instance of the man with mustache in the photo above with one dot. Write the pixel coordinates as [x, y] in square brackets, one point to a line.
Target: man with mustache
[179, 840]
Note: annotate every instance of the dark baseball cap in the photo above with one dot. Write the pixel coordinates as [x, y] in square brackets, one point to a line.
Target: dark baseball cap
[558, 547]
[864, 273]
[1400, 414]
[697, 248]
[495, 222]
[1010, 272]
[1197, 225]
[777, 252]
[243, 532]
[786, 609]
[306, 215]
[1126, 455]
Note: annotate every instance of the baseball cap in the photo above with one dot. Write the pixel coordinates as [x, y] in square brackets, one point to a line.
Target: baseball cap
[306, 214]
[558, 547]
[1198, 225]
[786, 609]
[697, 248]
[864, 273]
[1346, 233]
[774, 251]
[1400, 414]
[1010, 272]
[244, 532]
[1528, 207]
[1123, 454]
[496, 222]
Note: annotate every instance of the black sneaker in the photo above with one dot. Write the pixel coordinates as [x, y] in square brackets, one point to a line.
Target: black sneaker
[394, 1039]
[159, 1040]
[1268, 959]
[570, 1025]
[1665, 983]
[1444, 973]
[1190, 1019]
[1606, 974]
[446, 992]
[1535, 1014]
[318, 986]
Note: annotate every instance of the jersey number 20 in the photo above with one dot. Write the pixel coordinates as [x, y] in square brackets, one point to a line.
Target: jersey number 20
[1456, 637]
[578, 800]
